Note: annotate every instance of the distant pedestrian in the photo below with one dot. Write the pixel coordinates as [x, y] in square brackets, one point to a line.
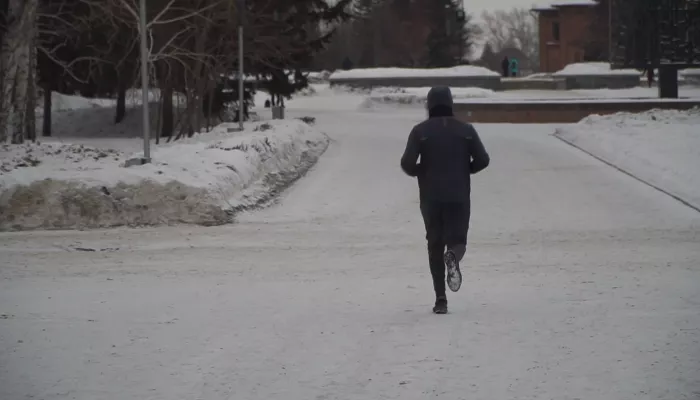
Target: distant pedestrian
[347, 64]
[650, 76]
[514, 67]
[505, 66]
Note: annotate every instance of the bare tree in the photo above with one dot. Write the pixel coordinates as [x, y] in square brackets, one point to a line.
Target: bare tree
[181, 49]
[92, 46]
[514, 28]
[19, 34]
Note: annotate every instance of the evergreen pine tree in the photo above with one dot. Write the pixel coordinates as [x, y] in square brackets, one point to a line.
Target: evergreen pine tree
[365, 29]
[449, 35]
[298, 17]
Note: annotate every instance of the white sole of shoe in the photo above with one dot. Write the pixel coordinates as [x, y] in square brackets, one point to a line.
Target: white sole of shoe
[454, 275]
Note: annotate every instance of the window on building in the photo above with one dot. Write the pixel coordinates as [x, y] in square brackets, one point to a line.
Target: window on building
[555, 31]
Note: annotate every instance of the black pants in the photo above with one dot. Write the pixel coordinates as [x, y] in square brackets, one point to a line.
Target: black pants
[446, 225]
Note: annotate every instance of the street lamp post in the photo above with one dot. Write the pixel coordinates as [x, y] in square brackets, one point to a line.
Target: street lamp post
[240, 77]
[146, 127]
[241, 18]
[144, 86]
[610, 35]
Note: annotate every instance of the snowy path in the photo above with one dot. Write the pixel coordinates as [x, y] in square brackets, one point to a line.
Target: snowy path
[580, 283]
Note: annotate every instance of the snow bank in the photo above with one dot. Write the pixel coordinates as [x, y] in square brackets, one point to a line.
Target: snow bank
[413, 96]
[538, 75]
[318, 77]
[66, 102]
[690, 76]
[661, 147]
[593, 68]
[459, 71]
[201, 180]
[564, 3]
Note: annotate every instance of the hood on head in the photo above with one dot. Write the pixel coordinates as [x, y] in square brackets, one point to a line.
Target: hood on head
[439, 96]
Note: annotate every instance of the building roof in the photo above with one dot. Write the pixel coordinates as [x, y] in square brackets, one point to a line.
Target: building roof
[564, 3]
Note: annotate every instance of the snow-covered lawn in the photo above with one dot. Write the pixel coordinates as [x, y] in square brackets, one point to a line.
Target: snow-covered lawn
[318, 97]
[65, 102]
[197, 180]
[661, 147]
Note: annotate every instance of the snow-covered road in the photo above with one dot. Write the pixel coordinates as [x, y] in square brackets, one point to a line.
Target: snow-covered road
[580, 283]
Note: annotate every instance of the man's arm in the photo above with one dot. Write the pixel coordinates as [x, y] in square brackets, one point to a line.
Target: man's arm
[480, 158]
[409, 159]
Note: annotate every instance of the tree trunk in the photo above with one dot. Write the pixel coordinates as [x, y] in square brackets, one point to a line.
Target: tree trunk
[167, 113]
[200, 77]
[24, 12]
[46, 128]
[21, 93]
[7, 68]
[30, 112]
[3, 98]
[212, 93]
[121, 101]
[200, 91]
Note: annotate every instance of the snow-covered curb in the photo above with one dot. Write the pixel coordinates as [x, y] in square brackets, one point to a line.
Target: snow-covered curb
[376, 73]
[659, 147]
[202, 180]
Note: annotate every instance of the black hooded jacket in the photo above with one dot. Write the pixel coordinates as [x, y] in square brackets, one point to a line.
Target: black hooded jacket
[450, 152]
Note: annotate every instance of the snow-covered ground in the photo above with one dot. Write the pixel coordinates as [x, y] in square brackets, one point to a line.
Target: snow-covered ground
[661, 147]
[580, 282]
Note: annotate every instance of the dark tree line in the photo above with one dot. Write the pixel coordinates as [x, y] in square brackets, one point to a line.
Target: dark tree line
[651, 33]
[401, 33]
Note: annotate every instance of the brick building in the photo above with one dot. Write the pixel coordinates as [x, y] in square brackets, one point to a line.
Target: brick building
[564, 32]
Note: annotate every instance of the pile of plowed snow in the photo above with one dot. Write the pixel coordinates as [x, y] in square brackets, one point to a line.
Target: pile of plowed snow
[201, 180]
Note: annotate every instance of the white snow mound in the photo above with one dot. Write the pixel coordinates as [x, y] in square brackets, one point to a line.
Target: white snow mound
[593, 68]
[201, 180]
[661, 147]
[369, 73]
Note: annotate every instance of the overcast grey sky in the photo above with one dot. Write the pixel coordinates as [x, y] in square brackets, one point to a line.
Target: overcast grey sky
[475, 7]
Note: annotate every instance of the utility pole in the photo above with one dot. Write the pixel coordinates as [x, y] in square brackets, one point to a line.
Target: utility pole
[146, 124]
[610, 42]
[241, 19]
